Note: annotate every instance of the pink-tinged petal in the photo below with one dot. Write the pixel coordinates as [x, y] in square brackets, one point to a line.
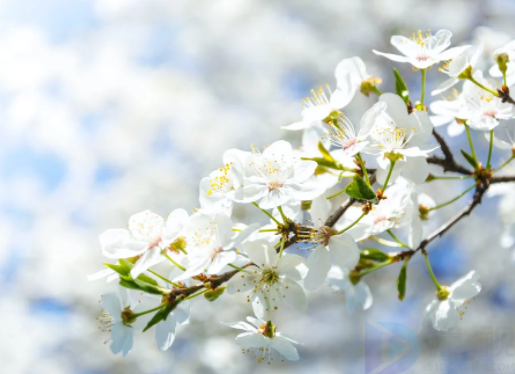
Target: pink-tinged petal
[392, 57]
[294, 294]
[292, 266]
[274, 198]
[261, 253]
[146, 226]
[220, 261]
[319, 263]
[118, 243]
[244, 281]
[150, 258]
[344, 250]
[251, 340]
[165, 333]
[416, 169]
[285, 348]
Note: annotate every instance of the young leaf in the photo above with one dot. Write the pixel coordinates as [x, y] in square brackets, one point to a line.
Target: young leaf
[374, 254]
[469, 159]
[359, 189]
[325, 153]
[401, 280]
[158, 317]
[400, 86]
[120, 269]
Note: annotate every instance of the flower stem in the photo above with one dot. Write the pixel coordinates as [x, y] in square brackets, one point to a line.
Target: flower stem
[136, 315]
[473, 80]
[268, 214]
[392, 165]
[336, 194]
[363, 167]
[374, 268]
[453, 200]
[504, 164]
[423, 88]
[163, 278]
[174, 262]
[388, 243]
[404, 245]
[283, 242]
[461, 177]
[435, 281]
[285, 219]
[236, 267]
[490, 148]
[352, 224]
[196, 294]
[471, 144]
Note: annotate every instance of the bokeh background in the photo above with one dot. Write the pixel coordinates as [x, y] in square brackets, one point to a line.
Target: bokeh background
[110, 107]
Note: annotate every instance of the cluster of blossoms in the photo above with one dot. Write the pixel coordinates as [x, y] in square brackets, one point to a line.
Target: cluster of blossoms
[211, 255]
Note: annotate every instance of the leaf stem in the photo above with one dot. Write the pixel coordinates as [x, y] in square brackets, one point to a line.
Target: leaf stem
[490, 149]
[163, 278]
[423, 88]
[363, 167]
[404, 245]
[174, 262]
[430, 270]
[352, 224]
[473, 80]
[392, 165]
[453, 200]
[471, 143]
[268, 214]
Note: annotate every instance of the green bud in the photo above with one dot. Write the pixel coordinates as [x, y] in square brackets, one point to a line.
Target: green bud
[502, 61]
[424, 212]
[354, 277]
[306, 205]
[466, 74]
[212, 295]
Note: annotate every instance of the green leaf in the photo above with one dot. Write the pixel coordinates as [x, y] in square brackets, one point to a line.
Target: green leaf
[400, 86]
[160, 315]
[147, 279]
[325, 153]
[374, 254]
[359, 189]
[120, 269]
[129, 284]
[401, 280]
[469, 159]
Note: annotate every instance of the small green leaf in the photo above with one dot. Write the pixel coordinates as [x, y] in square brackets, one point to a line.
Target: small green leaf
[401, 280]
[120, 269]
[374, 254]
[359, 189]
[129, 284]
[469, 159]
[400, 86]
[147, 279]
[160, 315]
[325, 153]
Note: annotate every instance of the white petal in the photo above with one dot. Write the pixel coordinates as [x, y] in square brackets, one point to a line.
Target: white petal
[146, 226]
[165, 333]
[302, 170]
[112, 304]
[251, 340]
[416, 230]
[176, 222]
[285, 348]
[101, 274]
[243, 281]
[301, 125]
[452, 52]
[261, 253]
[149, 259]
[416, 169]
[396, 108]
[455, 129]
[122, 339]
[220, 261]
[319, 263]
[292, 266]
[344, 250]
[405, 46]
[445, 316]
[392, 57]
[294, 294]
[118, 243]
[241, 326]
[466, 287]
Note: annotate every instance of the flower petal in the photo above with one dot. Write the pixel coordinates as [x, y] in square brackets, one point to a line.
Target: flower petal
[285, 348]
[118, 243]
[319, 263]
[146, 226]
[165, 333]
[344, 250]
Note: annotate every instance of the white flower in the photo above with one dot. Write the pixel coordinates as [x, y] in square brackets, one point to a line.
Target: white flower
[355, 294]
[394, 212]
[483, 111]
[328, 246]
[423, 51]
[344, 136]
[271, 279]
[353, 72]
[447, 111]
[276, 177]
[456, 66]
[263, 337]
[118, 319]
[447, 308]
[218, 191]
[147, 236]
[166, 329]
[211, 242]
[395, 132]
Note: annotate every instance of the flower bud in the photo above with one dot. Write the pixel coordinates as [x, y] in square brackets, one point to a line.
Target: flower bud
[466, 74]
[443, 293]
[212, 295]
[502, 59]
[370, 85]
[424, 212]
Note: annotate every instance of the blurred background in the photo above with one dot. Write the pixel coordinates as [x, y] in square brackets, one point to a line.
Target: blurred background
[110, 107]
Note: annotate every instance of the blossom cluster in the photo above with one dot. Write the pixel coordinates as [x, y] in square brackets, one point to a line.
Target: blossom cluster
[310, 240]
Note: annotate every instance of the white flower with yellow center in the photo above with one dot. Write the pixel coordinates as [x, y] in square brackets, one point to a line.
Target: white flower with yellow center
[394, 212]
[211, 243]
[423, 50]
[261, 337]
[218, 191]
[451, 302]
[328, 246]
[353, 72]
[400, 135]
[271, 280]
[147, 237]
[276, 177]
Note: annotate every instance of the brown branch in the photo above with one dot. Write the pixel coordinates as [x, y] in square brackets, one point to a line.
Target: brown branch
[504, 94]
[503, 179]
[449, 165]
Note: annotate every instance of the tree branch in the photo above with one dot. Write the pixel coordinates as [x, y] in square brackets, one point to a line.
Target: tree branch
[503, 179]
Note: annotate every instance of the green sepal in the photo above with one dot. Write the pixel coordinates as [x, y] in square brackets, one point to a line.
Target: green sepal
[401, 280]
[469, 159]
[374, 254]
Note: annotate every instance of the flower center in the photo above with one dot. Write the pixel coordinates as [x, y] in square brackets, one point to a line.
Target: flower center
[270, 276]
[274, 185]
[221, 181]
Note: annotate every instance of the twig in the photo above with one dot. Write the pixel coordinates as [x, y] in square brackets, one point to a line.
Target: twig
[503, 179]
